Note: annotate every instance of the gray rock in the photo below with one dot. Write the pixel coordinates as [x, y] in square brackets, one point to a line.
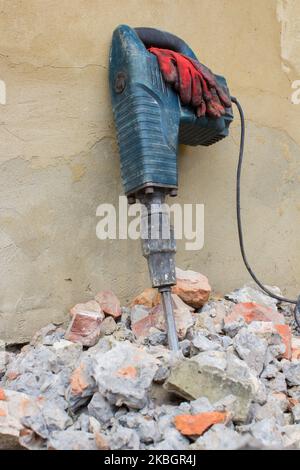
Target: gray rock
[206, 376]
[101, 409]
[232, 328]
[122, 438]
[48, 419]
[66, 355]
[82, 423]
[146, 428]
[72, 440]
[157, 338]
[292, 372]
[126, 317]
[124, 375]
[227, 404]
[274, 408]
[161, 374]
[82, 385]
[270, 371]
[108, 326]
[267, 433]
[185, 347]
[296, 413]
[278, 384]
[251, 349]
[220, 437]
[251, 293]
[294, 392]
[2, 345]
[291, 436]
[173, 441]
[227, 342]
[201, 343]
[200, 405]
[138, 312]
[4, 359]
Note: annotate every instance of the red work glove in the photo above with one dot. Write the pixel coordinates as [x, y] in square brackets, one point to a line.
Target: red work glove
[195, 83]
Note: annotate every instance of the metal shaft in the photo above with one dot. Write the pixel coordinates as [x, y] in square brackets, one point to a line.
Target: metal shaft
[169, 318]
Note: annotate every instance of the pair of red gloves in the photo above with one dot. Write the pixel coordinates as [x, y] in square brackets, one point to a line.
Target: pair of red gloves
[195, 83]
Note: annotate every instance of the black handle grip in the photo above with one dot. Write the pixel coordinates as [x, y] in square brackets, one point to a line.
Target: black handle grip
[157, 38]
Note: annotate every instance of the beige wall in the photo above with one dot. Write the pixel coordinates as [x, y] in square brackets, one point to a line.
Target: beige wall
[59, 158]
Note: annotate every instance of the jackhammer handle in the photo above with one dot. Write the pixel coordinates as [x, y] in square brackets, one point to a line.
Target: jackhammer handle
[157, 38]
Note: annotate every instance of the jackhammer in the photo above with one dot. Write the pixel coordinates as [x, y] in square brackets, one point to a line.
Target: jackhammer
[151, 121]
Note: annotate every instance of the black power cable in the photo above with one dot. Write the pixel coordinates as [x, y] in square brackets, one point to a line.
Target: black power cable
[239, 220]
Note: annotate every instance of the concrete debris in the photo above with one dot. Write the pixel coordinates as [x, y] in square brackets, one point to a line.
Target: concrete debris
[109, 303]
[72, 440]
[148, 298]
[108, 326]
[85, 328]
[145, 321]
[109, 382]
[220, 437]
[192, 287]
[296, 413]
[124, 375]
[101, 409]
[251, 311]
[252, 293]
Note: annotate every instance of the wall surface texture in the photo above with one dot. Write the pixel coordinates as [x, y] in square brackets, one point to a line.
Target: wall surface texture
[59, 159]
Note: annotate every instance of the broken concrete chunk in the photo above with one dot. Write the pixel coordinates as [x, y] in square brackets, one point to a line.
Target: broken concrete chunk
[46, 419]
[101, 409]
[124, 375]
[109, 303]
[148, 298]
[192, 287]
[201, 343]
[144, 320]
[251, 348]
[200, 405]
[251, 311]
[4, 359]
[66, 355]
[72, 440]
[194, 378]
[267, 433]
[291, 436]
[14, 406]
[146, 428]
[292, 372]
[108, 326]
[85, 328]
[296, 413]
[220, 437]
[40, 335]
[123, 438]
[174, 440]
[82, 385]
[252, 293]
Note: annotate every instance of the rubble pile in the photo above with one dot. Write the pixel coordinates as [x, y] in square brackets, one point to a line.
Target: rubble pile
[109, 381]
